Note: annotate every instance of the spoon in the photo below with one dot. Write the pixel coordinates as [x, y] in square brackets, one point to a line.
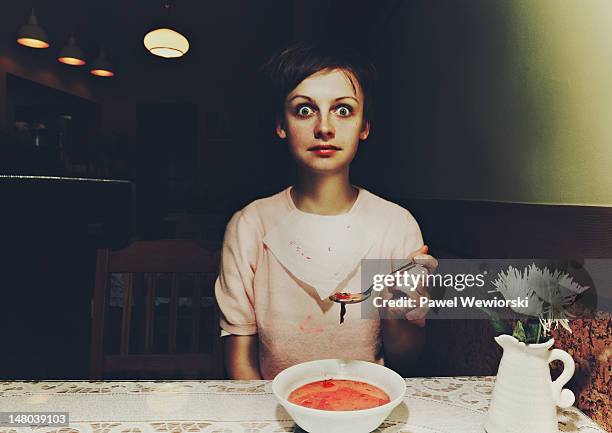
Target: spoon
[355, 298]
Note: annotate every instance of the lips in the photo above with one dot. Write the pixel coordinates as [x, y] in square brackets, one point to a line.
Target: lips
[318, 147]
[324, 150]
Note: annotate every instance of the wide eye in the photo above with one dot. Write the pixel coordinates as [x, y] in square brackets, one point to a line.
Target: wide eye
[344, 110]
[303, 111]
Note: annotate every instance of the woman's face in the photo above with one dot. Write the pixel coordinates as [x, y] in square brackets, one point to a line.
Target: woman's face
[324, 121]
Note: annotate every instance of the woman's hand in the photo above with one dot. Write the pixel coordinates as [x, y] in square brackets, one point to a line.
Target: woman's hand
[422, 257]
[417, 315]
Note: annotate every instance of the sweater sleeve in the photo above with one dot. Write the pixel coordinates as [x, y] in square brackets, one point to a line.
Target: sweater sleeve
[234, 285]
[406, 237]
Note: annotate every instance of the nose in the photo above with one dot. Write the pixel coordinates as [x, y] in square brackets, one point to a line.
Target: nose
[324, 129]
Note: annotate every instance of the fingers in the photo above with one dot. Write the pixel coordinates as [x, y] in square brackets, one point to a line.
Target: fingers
[422, 290]
[423, 250]
[421, 256]
[430, 262]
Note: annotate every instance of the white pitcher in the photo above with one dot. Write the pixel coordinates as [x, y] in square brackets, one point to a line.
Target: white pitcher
[525, 398]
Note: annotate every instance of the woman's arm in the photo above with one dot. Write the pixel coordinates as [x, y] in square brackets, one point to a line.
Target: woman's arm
[404, 333]
[234, 292]
[241, 357]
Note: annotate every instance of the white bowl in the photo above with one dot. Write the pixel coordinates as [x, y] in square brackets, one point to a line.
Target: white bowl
[326, 421]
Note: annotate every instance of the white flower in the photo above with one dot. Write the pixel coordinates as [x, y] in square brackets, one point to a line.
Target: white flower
[549, 294]
[556, 289]
[513, 285]
[547, 324]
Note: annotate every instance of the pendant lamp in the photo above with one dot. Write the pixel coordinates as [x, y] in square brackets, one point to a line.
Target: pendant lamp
[102, 67]
[71, 54]
[32, 35]
[165, 42]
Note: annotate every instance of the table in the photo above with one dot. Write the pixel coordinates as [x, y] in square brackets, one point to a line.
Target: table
[431, 405]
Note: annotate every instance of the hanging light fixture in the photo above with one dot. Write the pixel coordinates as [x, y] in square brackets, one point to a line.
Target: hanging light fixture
[102, 67]
[32, 35]
[71, 54]
[165, 42]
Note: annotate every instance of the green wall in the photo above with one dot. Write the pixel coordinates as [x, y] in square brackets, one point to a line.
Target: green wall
[501, 100]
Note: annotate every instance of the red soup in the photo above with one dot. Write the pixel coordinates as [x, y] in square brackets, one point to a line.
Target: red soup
[339, 394]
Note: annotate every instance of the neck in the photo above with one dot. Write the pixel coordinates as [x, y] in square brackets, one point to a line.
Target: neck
[330, 194]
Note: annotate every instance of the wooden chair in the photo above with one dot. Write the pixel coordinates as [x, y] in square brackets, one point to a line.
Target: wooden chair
[135, 324]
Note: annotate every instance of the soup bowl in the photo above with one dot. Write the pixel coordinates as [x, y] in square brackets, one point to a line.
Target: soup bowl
[326, 421]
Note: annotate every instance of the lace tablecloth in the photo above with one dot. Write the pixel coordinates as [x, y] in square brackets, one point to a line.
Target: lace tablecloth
[431, 405]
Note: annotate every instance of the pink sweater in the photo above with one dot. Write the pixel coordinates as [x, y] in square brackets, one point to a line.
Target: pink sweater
[257, 295]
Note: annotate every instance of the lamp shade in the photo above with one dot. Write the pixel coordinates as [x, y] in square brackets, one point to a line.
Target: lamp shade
[166, 43]
[71, 54]
[32, 35]
[102, 67]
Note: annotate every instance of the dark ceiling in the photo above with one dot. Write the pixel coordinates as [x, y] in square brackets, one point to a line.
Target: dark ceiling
[219, 30]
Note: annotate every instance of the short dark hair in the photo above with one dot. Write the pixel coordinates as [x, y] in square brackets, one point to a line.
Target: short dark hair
[291, 65]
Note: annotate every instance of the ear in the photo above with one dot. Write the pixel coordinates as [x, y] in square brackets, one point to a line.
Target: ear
[280, 131]
[365, 130]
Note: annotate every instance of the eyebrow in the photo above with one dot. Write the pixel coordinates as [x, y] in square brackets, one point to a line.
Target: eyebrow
[337, 99]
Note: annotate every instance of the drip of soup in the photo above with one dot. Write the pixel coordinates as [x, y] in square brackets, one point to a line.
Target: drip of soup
[339, 394]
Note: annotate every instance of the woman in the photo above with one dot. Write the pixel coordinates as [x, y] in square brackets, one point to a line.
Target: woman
[285, 254]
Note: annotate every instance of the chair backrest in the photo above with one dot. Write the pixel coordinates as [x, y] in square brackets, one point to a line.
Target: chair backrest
[153, 312]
